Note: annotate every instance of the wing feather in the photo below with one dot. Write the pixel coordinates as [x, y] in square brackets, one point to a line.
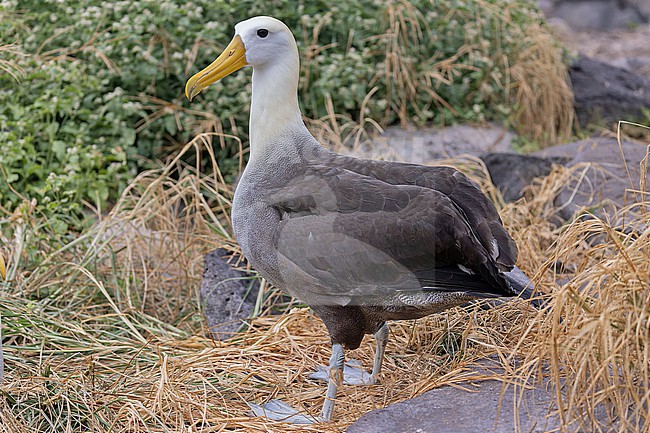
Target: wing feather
[358, 235]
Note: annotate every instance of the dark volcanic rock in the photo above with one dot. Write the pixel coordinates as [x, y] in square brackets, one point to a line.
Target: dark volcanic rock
[607, 93]
[483, 406]
[512, 172]
[228, 295]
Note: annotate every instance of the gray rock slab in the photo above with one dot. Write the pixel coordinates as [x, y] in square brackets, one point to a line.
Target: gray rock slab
[228, 295]
[480, 406]
[601, 150]
[427, 144]
[603, 183]
[603, 92]
[597, 14]
[625, 48]
[452, 410]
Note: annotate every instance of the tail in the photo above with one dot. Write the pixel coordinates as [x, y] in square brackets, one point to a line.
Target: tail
[520, 285]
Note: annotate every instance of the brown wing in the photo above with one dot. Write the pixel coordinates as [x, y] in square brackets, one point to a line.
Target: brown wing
[478, 210]
[359, 235]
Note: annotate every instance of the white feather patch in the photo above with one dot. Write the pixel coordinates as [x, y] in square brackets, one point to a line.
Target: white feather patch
[465, 269]
[495, 249]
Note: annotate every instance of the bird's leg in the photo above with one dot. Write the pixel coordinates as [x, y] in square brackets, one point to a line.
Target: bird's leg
[335, 378]
[353, 374]
[381, 337]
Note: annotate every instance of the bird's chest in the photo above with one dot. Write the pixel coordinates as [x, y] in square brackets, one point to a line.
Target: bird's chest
[253, 221]
[258, 224]
[260, 232]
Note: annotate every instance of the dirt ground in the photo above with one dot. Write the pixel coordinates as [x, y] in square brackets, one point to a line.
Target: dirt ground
[625, 48]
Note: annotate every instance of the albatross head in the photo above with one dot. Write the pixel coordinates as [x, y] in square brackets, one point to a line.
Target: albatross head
[261, 42]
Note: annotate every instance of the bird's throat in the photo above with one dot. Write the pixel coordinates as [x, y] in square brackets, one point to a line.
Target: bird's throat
[275, 113]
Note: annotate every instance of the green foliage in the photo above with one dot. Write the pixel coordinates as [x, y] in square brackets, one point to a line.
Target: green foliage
[102, 90]
[54, 147]
[522, 144]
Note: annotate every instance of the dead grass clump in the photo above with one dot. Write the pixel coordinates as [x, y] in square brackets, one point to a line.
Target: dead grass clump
[406, 28]
[593, 340]
[106, 333]
[9, 52]
[596, 342]
[527, 79]
[541, 89]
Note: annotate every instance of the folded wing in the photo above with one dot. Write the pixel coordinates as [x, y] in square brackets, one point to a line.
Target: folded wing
[355, 234]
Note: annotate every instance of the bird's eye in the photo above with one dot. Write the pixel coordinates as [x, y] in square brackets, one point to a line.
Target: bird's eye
[262, 33]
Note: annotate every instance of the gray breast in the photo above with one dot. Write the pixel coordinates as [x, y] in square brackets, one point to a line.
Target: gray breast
[254, 220]
[253, 223]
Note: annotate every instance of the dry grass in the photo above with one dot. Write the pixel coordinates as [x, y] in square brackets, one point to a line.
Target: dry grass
[599, 354]
[536, 78]
[8, 52]
[106, 333]
[406, 29]
[541, 89]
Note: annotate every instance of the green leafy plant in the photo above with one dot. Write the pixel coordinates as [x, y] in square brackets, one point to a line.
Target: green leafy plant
[101, 91]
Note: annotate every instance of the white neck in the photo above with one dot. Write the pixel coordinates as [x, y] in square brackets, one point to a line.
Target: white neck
[274, 109]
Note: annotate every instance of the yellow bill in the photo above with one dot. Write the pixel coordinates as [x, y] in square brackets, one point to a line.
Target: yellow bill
[232, 59]
[3, 269]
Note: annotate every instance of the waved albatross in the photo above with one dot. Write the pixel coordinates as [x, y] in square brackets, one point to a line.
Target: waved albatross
[359, 241]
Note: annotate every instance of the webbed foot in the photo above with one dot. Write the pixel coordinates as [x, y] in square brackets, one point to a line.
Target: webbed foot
[353, 374]
[280, 411]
